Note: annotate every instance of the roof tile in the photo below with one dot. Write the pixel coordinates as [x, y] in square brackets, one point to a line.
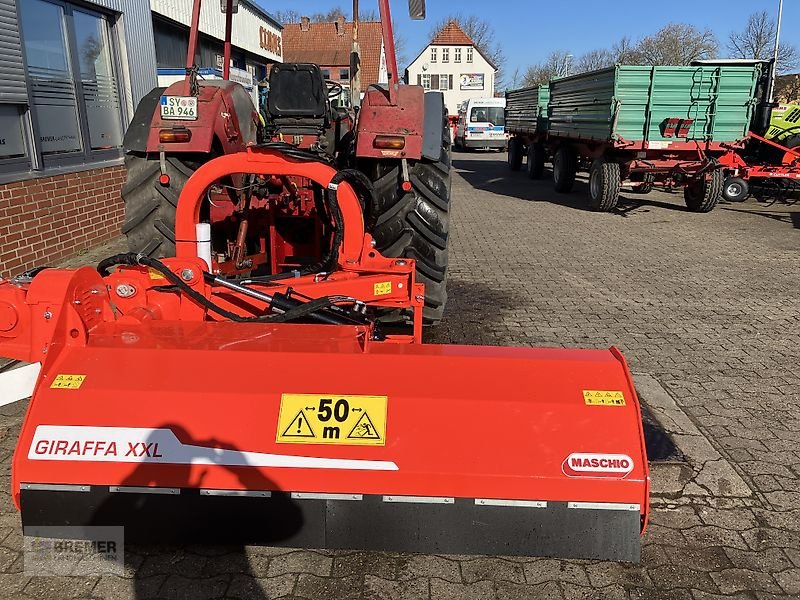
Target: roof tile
[452, 35]
[322, 45]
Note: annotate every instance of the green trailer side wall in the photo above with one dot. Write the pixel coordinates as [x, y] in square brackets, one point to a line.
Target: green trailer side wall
[632, 102]
[526, 109]
[544, 106]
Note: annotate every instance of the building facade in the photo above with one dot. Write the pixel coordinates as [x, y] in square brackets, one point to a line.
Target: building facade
[329, 45]
[256, 40]
[452, 64]
[71, 75]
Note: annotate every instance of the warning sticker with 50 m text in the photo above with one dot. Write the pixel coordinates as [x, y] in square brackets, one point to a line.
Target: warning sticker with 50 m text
[332, 419]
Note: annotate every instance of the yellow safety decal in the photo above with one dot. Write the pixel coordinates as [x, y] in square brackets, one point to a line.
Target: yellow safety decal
[603, 398]
[68, 382]
[154, 274]
[383, 288]
[332, 419]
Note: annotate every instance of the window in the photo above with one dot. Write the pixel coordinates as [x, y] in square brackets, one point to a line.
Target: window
[487, 114]
[75, 106]
[344, 74]
[445, 55]
[433, 55]
[457, 55]
[443, 80]
[469, 54]
[12, 140]
[326, 73]
[426, 81]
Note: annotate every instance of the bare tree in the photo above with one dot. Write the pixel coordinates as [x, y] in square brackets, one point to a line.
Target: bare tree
[677, 44]
[595, 59]
[481, 32]
[286, 17]
[555, 65]
[757, 41]
[787, 88]
[625, 52]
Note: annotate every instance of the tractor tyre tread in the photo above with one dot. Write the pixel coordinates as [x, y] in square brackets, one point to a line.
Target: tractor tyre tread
[150, 207]
[416, 225]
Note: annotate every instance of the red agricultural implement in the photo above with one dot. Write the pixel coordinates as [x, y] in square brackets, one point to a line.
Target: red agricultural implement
[744, 169]
[181, 402]
[398, 142]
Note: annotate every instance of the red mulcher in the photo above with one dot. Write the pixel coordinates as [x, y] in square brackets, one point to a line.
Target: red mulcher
[186, 404]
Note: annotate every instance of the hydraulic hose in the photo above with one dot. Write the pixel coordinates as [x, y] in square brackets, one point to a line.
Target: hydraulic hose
[287, 309]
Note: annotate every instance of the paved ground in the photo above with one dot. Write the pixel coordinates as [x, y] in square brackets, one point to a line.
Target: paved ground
[706, 306]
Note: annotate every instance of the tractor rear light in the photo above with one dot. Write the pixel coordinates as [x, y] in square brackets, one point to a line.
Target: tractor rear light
[163, 179]
[407, 187]
[175, 135]
[389, 142]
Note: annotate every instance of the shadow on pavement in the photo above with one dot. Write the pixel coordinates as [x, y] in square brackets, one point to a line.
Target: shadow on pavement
[791, 217]
[473, 309]
[163, 527]
[495, 176]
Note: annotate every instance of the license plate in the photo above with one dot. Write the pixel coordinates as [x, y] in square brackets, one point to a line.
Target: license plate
[179, 107]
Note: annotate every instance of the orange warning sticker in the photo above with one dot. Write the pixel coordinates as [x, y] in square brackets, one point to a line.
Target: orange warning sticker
[68, 382]
[332, 419]
[603, 398]
[154, 274]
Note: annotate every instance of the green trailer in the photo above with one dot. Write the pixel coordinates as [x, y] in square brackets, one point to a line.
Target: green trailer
[646, 125]
[526, 114]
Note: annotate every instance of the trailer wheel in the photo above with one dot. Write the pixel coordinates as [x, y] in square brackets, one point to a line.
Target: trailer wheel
[648, 179]
[149, 206]
[604, 184]
[702, 196]
[515, 154]
[416, 225]
[735, 189]
[536, 158]
[565, 166]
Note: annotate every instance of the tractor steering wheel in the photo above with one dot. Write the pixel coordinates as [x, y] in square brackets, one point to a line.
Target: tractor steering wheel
[334, 88]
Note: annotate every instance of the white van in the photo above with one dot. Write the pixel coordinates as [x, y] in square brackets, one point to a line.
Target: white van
[482, 124]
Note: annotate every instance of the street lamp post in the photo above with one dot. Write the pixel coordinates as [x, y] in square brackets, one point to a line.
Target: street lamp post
[775, 57]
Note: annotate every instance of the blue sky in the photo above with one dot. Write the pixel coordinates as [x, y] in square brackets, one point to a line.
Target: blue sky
[530, 29]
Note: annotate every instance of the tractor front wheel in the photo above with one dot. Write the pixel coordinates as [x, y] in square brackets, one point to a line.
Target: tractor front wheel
[150, 206]
[703, 194]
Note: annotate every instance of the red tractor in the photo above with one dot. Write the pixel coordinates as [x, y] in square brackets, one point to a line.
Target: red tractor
[395, 150]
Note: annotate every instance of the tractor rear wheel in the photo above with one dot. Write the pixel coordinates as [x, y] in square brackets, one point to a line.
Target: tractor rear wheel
[702, 195]
[149, 206]
[416, 224]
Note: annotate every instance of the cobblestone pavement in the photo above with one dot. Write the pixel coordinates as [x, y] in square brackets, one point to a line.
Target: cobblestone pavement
[707, 305]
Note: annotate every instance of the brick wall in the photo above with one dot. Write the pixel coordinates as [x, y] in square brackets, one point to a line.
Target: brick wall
[44, 220]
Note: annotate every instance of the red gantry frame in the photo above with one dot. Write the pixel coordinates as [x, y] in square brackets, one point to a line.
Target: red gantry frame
[154, 414]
